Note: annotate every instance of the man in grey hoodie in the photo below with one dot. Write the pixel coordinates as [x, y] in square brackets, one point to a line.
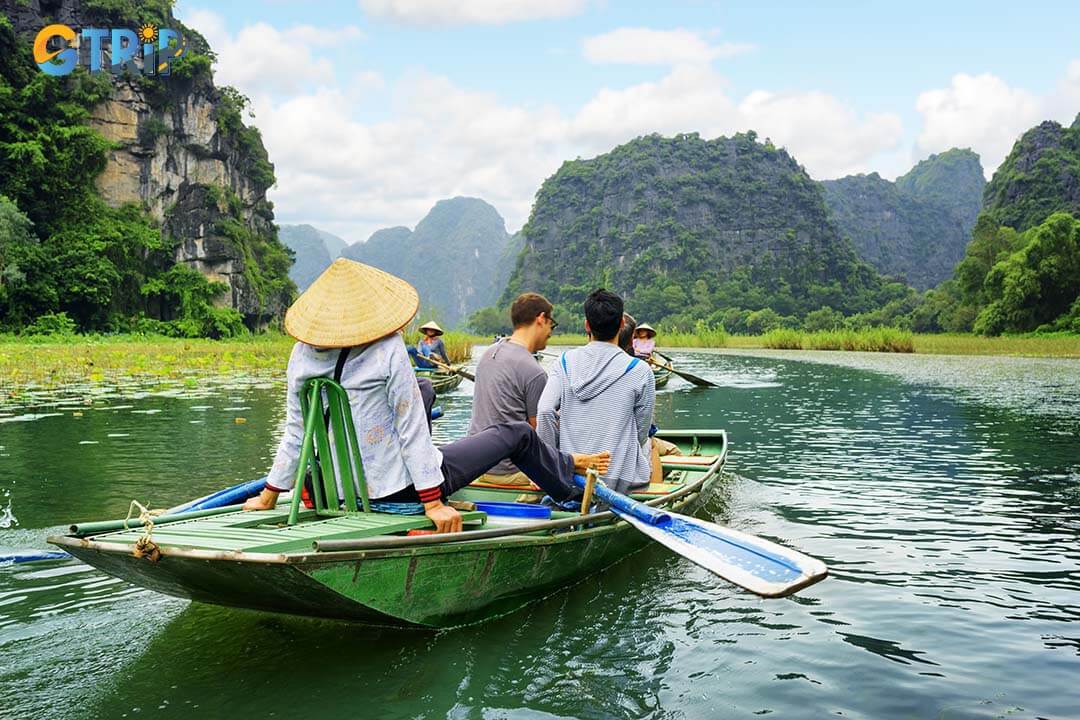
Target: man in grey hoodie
[598, 397]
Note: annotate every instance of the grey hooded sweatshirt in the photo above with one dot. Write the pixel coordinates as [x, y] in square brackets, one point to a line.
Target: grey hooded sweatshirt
[599, 398]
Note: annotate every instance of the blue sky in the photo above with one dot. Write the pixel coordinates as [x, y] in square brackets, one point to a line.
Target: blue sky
[374, 109]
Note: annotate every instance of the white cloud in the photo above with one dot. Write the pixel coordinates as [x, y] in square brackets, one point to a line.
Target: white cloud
[470, 12]
[823, 134]
[351, 176]
[262, 59]
[985, 113]
[645, 46]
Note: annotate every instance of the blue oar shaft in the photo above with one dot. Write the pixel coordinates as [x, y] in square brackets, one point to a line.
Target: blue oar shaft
[624, 504]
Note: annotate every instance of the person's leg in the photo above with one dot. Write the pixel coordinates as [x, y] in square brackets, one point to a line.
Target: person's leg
[470, 457]
[427, 393]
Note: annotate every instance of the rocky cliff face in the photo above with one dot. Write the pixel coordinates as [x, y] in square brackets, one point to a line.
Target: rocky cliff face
[456, 257]
[918, 242]
[953, 179]
[915, 229]
[314, 249]
[1040, 176]
[683, 226]
[182, 152]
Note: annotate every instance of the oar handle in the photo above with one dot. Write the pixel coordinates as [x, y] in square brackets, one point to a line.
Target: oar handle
[626, 505]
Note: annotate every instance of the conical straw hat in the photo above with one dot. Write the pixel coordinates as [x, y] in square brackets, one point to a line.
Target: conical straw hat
[432, 325]
[351, 304]
[646, 327]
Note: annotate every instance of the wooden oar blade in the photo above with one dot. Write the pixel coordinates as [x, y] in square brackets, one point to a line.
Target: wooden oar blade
[688, 377]
[753, 563]
[700, 382]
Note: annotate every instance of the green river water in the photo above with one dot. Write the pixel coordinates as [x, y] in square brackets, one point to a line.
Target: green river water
[943, 493]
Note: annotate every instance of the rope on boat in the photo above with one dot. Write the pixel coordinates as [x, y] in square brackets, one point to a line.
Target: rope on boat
[144, 546]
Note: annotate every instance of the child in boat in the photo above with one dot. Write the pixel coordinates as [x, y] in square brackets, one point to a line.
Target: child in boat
[644, 342]
[350, 317]
[430, 345]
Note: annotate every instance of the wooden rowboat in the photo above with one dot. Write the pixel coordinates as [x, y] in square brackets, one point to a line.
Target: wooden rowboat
[363, 567]
[661, 374]
[443, 382]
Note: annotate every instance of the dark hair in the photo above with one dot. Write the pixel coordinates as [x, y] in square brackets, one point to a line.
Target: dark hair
[626, 335]
[603, 311]
[527, 308]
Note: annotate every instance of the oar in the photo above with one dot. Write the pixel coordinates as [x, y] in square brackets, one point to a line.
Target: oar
[463, 373]
[700, 382]
[753, 563]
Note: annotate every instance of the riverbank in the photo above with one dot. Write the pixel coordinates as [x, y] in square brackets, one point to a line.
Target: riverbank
[1051, 345]
[54, 360]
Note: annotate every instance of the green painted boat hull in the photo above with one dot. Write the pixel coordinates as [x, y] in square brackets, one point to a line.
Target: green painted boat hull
[661, 377]
[442, 382]
[440, 585]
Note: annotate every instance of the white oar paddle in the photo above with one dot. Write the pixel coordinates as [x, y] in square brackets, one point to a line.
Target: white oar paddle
[753, 563]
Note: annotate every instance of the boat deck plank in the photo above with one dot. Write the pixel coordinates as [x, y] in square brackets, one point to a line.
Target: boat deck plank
[241, 532]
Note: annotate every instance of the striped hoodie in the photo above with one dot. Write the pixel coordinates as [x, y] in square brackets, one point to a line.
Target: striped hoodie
[599, 398]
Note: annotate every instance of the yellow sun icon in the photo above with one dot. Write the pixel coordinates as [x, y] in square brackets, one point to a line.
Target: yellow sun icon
[148, 33]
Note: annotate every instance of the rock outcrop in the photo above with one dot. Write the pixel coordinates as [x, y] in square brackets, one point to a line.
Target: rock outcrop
[683, 227]
[915, 229]
[457, 257]
[181, 151]
[1040, 176]
[314, 250]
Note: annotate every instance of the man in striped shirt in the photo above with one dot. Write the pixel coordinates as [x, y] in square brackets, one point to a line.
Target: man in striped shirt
[598, 397]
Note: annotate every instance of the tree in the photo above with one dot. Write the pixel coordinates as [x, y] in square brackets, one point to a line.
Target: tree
[1037, 283]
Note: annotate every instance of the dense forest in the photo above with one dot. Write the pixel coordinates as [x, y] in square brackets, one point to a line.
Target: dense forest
[83, 244]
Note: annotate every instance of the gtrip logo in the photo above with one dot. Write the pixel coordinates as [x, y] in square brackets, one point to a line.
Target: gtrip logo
[58, 49]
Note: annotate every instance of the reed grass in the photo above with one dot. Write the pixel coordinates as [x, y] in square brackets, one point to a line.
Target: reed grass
[867, 340]
[1045, 345]
[51, 360]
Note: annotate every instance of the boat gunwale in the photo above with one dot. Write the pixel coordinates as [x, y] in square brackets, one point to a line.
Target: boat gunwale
[430, 544]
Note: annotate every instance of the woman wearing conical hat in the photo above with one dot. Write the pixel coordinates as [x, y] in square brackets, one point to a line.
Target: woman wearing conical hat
[430, 345]
[644, 341]
[347, 324]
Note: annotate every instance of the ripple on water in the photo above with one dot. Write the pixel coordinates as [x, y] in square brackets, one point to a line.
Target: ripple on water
[945, 510]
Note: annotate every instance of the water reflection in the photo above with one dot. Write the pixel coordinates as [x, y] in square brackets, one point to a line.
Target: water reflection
[941, 492]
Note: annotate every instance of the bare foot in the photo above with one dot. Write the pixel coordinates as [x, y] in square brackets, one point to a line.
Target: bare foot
[597, 461]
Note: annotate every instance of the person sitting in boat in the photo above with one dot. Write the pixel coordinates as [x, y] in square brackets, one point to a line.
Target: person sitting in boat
[626, 335]
[597, 397]
[430, 345]
[509, 380]
[351, 315]
[658, 446]
[644, 342]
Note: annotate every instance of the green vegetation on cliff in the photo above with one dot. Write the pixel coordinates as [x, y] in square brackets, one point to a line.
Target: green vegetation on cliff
[915, 229]
[693, 232]
[1040, 176]
[69, 258]
[953, 179]
[1021, 270]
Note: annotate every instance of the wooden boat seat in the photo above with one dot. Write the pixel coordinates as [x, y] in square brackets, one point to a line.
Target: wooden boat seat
[265, 532]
